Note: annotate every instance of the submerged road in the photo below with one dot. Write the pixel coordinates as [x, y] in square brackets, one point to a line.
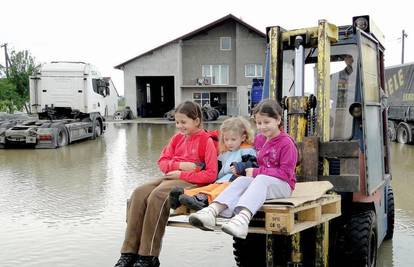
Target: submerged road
[66, 207]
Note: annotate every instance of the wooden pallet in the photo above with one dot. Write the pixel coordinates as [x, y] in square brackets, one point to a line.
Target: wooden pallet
[283, 219]
[280, 219]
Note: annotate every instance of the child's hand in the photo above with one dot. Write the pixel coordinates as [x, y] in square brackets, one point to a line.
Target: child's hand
[233, 170]
[187, 166]
[249, 172]
[173, 175]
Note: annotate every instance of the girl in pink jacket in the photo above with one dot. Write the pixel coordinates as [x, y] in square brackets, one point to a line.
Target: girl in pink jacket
[274, 178]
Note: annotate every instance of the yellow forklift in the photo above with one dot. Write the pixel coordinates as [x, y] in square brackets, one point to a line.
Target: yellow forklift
[329, 80]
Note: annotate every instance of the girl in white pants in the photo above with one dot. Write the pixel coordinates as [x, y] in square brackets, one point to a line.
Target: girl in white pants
[274, 178]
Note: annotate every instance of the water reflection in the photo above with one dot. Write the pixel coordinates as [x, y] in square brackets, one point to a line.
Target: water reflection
[66, 207]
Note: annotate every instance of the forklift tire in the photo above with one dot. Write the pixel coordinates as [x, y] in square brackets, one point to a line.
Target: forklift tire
[62, 136]
[250, 251]
[361, 240]
[403, 133]
[390, 213]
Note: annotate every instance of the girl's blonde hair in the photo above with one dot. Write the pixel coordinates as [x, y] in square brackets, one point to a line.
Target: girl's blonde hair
[238, 125]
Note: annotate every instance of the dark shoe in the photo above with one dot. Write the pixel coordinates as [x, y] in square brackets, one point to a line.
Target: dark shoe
[175, 193]
[126, 260]
[196, 202]
[147, 261]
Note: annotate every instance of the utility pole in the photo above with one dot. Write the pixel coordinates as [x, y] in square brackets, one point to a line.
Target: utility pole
[404, 35]
[6, 56]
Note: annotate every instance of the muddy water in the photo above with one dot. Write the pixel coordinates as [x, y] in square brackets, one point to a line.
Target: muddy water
[66, 207]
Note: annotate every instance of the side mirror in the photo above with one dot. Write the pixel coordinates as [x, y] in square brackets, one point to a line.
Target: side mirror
[356, 110]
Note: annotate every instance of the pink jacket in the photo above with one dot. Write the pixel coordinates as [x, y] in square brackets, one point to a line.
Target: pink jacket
[276, 157]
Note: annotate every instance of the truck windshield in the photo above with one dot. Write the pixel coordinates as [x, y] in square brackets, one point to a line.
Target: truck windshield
[343, 71]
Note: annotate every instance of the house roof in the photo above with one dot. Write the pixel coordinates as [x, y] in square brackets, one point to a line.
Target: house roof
[195, 32]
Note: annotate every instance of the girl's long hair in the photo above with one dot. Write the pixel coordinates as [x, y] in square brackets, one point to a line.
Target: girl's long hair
[191, 110]
[270, 108]
[238, 125]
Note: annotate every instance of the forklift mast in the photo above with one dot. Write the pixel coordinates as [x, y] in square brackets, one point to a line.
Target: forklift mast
[339, 124]
[326, 111]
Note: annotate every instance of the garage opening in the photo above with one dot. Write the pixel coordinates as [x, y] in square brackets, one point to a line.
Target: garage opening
[219, 101]
[155, 95]
[215, 100]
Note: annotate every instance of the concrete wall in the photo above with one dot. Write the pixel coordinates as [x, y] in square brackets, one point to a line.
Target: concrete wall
[246, 48]
[232, 106]
[184, 60]
[250, 49]
[161, 62]
[204, 49]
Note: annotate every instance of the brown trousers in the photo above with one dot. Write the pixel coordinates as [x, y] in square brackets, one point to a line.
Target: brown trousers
[148, 214]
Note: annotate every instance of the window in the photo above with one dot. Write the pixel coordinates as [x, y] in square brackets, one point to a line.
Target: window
[216, 74]
[202, 98]
[253, 70]
[225, 43]
[162, 93]
[100, 87]
[148, 93]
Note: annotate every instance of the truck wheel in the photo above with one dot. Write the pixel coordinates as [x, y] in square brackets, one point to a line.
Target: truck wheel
[97, 131]
[361, 243]
[62, 137]
[403, 133]
[390, 213]
[392, 133]
[250, 251]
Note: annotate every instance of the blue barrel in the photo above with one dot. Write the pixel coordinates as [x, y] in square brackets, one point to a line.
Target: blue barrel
[257, 91]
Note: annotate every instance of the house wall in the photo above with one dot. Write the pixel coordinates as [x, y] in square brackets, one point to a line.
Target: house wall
[247, 47]
[161, 62]
[250, 49]
[184, 59]
[204, 49]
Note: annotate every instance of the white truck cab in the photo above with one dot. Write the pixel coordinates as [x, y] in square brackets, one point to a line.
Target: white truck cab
[75, 85]
[69, 100]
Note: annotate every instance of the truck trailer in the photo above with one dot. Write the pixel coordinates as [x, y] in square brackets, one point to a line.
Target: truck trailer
[67, 103]
[399, 87]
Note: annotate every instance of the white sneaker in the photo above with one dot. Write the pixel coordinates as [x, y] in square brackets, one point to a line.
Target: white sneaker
[237, 227]
[203, 219]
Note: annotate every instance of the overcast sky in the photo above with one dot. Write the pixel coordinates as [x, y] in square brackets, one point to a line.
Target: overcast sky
[108, 32]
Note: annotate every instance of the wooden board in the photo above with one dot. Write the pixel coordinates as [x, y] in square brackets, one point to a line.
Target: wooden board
[283, 219]
[288, 220]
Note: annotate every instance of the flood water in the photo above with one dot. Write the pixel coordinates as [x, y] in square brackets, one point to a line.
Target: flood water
[66, 207]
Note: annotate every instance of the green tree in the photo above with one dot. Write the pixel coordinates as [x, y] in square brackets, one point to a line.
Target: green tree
[10, 101]
[22, 65]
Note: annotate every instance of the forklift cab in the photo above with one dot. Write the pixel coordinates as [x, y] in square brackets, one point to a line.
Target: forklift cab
[343, 73]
